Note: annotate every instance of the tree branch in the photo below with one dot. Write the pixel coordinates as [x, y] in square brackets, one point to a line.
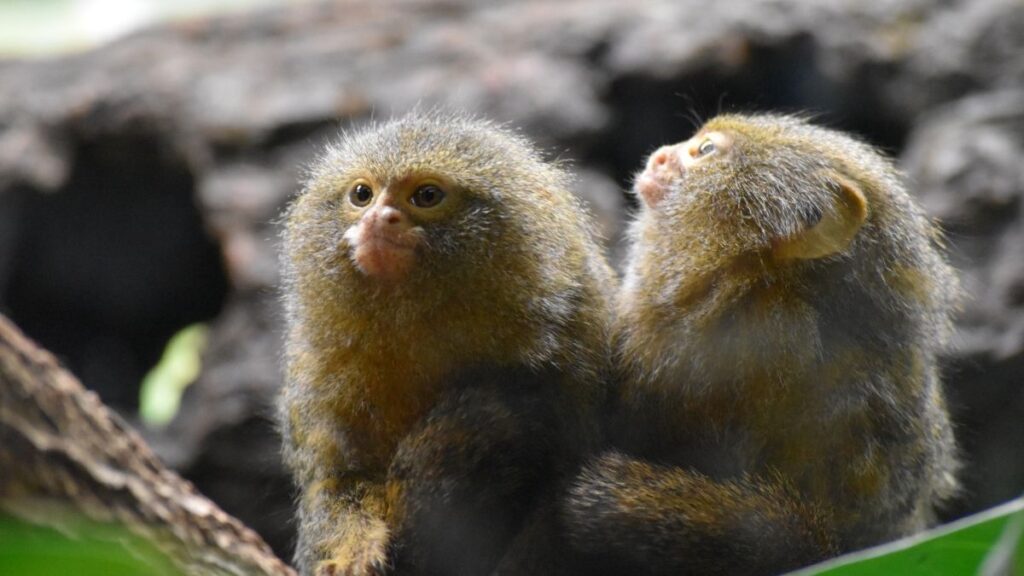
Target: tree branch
[65, 457]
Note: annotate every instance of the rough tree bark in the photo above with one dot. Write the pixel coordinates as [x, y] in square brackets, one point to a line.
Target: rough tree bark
[65, 457]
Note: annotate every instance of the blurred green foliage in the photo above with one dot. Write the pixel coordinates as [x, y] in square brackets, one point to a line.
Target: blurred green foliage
[46, 27]
[95, 550]
[161, 390]
[990, 543]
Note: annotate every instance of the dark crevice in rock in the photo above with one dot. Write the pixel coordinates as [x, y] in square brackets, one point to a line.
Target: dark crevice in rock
[297, 132]
[263, 501]
[783, 77]
[860, 107]
[650, 111]
[986, 387]
[112, 264]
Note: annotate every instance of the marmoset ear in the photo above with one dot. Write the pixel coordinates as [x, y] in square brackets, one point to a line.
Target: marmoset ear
[836, 229]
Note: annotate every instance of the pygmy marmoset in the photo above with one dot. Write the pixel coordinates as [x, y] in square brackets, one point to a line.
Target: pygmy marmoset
[448, 346]
[782, 307]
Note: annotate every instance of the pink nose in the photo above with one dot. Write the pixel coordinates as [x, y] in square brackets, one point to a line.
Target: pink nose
[388, 216]
[391, 215]
[664, 158]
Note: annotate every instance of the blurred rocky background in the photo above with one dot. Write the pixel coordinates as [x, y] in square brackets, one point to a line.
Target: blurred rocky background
[141, 182]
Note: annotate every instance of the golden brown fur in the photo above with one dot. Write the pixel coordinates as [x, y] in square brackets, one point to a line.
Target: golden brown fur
[436, 394]
[782, 308]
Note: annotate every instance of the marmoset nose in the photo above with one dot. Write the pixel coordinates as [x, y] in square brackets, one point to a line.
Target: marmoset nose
[389, 215]
[665, 159]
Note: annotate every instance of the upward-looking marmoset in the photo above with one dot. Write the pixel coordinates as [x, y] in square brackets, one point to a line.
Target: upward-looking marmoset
[778, 325]
[447, 350]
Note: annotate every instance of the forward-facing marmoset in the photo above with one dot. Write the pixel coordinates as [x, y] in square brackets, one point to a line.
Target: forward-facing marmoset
[448, 347]
[783, 304]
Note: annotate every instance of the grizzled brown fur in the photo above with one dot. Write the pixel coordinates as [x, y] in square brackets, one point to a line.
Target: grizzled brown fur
[442, 380]
[782, 308]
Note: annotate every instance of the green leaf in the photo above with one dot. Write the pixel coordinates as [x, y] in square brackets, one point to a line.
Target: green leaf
[86, 549]
[160, 394]
[988, 543]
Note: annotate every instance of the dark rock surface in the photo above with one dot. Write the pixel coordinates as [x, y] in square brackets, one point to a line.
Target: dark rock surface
[140, 182]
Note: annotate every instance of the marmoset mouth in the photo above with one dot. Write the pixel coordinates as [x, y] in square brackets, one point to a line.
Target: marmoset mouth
[387, 241]
[384, 257]
[662, 169]
[650, 187]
